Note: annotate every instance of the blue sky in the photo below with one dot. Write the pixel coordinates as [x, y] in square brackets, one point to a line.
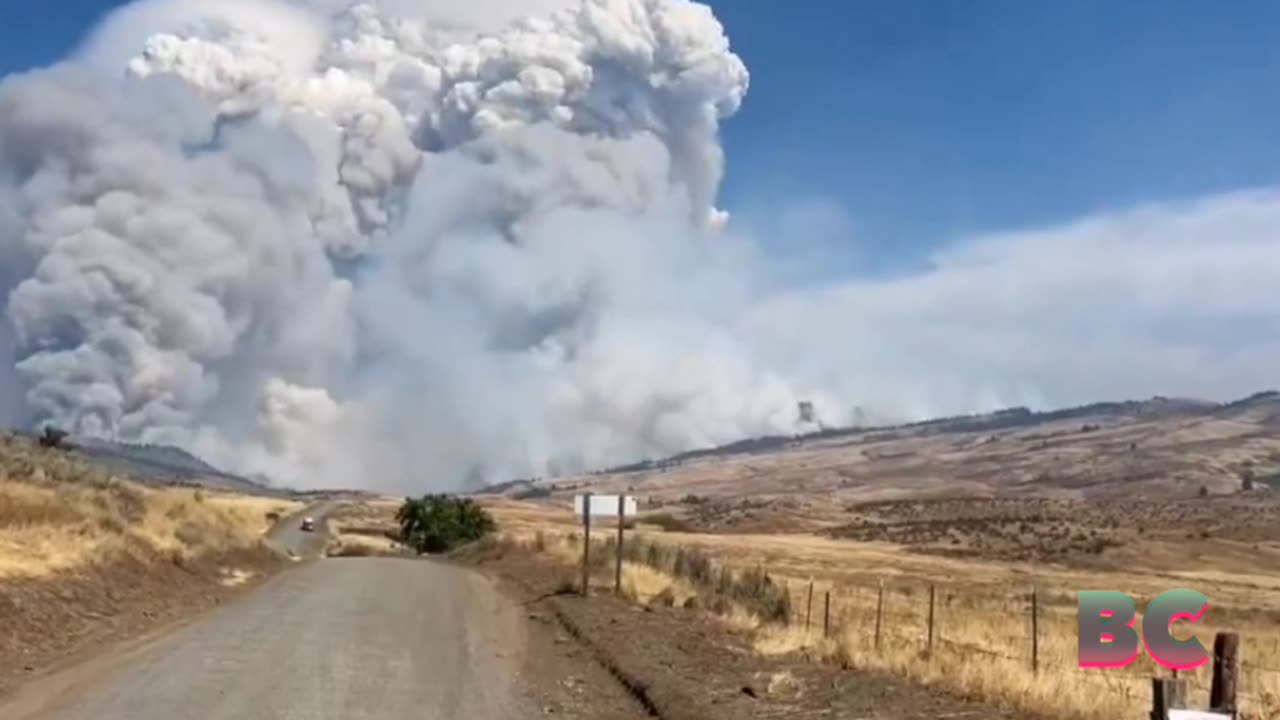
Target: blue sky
[926, 120]
[929, 119]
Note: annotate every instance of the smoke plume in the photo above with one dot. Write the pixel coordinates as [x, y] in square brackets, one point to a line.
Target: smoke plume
[391, 245]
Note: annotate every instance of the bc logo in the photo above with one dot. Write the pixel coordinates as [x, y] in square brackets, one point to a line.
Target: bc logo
[1108, 638]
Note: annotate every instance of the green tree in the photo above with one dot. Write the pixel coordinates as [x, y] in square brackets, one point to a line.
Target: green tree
[439, 523]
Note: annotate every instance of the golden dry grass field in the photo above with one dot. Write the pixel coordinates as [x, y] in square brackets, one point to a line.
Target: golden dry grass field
[1140, 497]
[364, 528]
[59, 514]
[982, 613]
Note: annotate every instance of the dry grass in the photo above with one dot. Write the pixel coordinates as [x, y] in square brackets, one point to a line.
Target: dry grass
[364, 529]
[1154, 450]
[350, 545]
[982, 642]
[58, 514]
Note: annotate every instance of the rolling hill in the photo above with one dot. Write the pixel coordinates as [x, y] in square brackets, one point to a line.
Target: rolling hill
[1160, 448]
[162, 465]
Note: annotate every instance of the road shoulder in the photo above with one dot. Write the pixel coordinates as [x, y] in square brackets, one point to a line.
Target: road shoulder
[688, 664]
[559, 675]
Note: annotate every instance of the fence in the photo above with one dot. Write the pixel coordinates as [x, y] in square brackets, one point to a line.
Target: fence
[1027, 640]
[940, 624]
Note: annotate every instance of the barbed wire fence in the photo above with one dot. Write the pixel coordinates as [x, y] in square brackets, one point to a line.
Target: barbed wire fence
[1042, 642]
[887, 618]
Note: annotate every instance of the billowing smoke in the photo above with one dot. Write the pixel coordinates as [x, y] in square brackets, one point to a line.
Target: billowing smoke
[393, 245]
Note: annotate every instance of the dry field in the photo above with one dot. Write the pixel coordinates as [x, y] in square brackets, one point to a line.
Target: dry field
[364, 529]
[58, 514]
[982, 631]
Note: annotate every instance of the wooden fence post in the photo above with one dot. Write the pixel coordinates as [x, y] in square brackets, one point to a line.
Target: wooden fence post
[1167, 694]
[1226, 673]
[929, 648]
[808, 608]
[826, 616]
[1035, 630]
[879, 612]
[586, 544]
[617, 570]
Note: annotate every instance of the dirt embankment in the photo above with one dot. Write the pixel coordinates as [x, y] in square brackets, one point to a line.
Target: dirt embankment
[53, 620]
[686, 664]
[88, 559]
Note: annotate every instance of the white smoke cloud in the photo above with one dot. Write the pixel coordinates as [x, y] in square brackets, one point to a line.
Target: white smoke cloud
[315, 239]
[402, 245]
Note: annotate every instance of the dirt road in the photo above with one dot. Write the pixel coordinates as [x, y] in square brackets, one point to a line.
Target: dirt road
[287, 535]
[340, 638]
[346, 639]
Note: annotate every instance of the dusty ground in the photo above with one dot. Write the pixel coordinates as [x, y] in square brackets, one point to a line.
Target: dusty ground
[52, 621]
[692, 665]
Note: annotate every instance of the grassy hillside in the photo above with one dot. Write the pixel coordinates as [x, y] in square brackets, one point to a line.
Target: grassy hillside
[59, 513]
[160, 465]
[1158, 449]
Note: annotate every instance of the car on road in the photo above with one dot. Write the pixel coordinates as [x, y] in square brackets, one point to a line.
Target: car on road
[308, 524]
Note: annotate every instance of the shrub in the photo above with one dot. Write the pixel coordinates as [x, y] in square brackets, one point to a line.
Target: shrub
[52, 437]
[439, 523]
[668, 522]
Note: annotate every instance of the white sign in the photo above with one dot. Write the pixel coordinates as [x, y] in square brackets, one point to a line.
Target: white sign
[606, 505]
[1197, 715]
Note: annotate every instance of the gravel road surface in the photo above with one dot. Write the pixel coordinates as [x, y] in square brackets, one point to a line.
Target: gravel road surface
[347, 639]
[340, 638]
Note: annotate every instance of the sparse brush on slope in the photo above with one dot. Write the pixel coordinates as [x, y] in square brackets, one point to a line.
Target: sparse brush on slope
[439, 523]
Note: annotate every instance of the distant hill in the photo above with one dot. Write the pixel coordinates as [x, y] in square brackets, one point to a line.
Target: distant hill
[1007, 419]
[162, 465]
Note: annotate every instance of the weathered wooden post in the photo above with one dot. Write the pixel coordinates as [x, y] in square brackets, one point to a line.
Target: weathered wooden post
[808, 606]
[826, 616]
[1226, 673]
[617, 570]
[929, 647]
[879, 612]
[1167, 694]
[586, 544]
[1035, 630]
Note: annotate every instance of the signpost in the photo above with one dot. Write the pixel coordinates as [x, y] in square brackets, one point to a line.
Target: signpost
[592, 504]
[605, 504]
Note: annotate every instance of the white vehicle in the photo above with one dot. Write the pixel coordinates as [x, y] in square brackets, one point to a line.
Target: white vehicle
[308, 524]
